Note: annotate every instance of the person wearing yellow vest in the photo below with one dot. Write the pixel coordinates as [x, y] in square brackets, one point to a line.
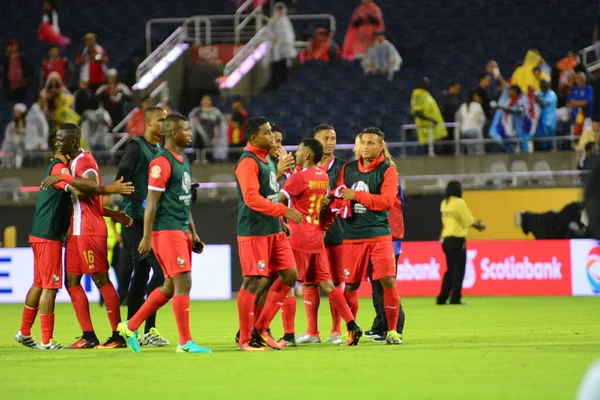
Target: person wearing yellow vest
[456, 221]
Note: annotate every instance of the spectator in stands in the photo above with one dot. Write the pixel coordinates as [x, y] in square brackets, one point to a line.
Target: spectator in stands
[49, 31]
[547, 100]
[281, 33]
[84, 98]
[482, 91]
[428, 116]
[207, 124]
[114, 96]
[92, 60]
[589, 157]
[365, 21]
[95, 127]
[15, 136]
[449, 103]
[136, 125]
[471, 120]
[566, 67]
[323, 47]
[524, 76]
[40, 131]
[16, 72]
[591, 134]
[55, 62]
[59, 102]
[382, 58]
[237, 120]
[511, 121]
[581, 102]
[497, 81]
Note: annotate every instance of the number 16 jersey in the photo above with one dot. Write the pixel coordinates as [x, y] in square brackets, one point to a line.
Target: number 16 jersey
[306, 190]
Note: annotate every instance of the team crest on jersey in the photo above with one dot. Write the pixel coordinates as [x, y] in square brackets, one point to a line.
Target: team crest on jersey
[186, 182]
[360, 186]
[155, 172]
[65, 171]
[346, 272]
[261, 264]
[180, 261]
[273, 182]
[55, 278]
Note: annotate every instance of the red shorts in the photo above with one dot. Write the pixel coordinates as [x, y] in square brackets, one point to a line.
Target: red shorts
[86, 255]
[335, 255]
[47, 263]
[312, 267]
[379, 253]
[264, 255]
[173, 250]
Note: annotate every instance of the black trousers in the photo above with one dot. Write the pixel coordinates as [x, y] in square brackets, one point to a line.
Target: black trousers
[455, 249]
[140, 286]
[124, 266]
[279, 73]
[380, 321]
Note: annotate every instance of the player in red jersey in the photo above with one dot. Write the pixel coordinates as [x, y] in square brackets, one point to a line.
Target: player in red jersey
[305, 191]
[86, 249]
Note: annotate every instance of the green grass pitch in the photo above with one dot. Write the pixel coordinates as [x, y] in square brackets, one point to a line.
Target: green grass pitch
[494, 348]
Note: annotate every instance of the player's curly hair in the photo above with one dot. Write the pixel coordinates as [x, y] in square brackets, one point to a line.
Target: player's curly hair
[315, 146]
[253, 126]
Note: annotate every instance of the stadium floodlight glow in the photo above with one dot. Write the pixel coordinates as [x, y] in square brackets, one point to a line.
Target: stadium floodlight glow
[247, 65]
[161, 66]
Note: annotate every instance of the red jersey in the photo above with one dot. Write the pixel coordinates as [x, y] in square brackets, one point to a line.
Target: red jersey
[60, 65]
[305, 191]
[88, 212]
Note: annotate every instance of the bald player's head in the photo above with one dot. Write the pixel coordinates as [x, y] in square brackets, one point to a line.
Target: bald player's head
[176, 129]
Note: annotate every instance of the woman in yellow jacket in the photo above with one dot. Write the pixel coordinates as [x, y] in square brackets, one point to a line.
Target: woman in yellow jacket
[456, 221]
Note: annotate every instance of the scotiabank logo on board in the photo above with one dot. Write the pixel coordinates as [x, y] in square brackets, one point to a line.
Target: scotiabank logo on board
[491, 268]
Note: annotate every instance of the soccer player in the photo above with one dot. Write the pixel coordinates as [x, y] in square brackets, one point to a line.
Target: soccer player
[169, 230]
[371, 183]
[263, 247]
[134, 167]
[305, 191]
[86, 249]
[334, 236]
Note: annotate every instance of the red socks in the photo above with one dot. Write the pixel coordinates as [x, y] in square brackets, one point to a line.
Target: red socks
[27, 320]
[155, 300]
[81, 307]
[275, 298]
[245, 303]
[47, 322]
[257, 311]
[181, 309]
[312, 299]
[288, 314]
[113, 306]
[352, 300]
[391, 304]
[336, 297]
[336, 319]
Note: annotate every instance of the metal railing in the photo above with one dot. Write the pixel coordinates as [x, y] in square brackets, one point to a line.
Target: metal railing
[590, 57]
[175, 39]
[239, 23]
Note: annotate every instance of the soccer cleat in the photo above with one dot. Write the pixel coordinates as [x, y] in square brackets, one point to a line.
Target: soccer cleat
[354, 336]
[27, 341]
[265, 338]
[286, 343]
[112, 343]
[52, 345]
[380, 339]
[335, 338]
[84, 344]
[372, 334]
[393, 337]
[129, 336]
[191, 347]
[306, 338]
[251, 346]
[237, 337]
[153, 338]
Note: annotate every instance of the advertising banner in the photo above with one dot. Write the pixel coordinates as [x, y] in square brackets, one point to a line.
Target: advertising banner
[211, 275]
[585, 267]
[213, 54]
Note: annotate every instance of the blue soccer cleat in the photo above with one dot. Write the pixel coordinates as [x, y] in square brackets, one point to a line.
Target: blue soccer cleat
[129, 336]
[192, 347]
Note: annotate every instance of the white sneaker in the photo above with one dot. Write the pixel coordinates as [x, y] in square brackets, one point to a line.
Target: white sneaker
[27, 341]
[335, 338]
[52, 345]
[306, 338]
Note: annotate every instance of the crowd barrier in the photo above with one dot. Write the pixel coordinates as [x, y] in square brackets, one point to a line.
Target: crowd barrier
[211, 275]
